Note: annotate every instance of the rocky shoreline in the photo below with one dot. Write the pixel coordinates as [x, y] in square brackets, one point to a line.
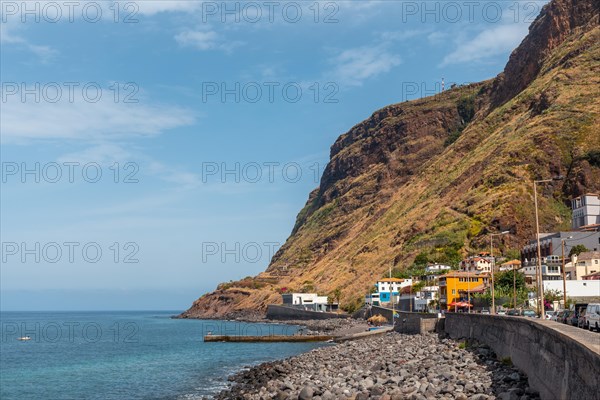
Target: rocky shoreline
[387, 367]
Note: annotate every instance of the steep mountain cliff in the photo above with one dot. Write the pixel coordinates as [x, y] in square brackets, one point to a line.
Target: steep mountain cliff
[432, 177]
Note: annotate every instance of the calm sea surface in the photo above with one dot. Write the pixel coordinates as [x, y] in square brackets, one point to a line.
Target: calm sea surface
[125, 355]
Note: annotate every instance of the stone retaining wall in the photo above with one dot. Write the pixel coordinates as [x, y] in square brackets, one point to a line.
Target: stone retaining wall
[562, 362]
[409, 322]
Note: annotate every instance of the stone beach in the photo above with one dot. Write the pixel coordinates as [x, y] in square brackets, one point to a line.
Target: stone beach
[387, 367]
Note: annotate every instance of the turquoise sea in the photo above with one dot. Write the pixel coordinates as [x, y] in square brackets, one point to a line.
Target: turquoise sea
[125, 355]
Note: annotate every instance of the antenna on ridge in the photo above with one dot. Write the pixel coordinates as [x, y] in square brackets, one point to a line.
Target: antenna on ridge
[442, 84]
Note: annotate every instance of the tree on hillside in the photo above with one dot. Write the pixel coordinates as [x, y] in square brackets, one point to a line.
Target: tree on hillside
[505, 280]
[421, 259]
[418, 286]
[512, 254]
[577, 250]
[337, 294]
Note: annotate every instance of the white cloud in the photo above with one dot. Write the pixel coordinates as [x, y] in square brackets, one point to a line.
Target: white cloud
[82, 120]
[354, 66]
[437, 37]
[489, 43]
[205, 40]
[399, 36]
[201, 40]
[183, 179]
[157, 6]
[102, 153]
[107, 154]
[9, 37]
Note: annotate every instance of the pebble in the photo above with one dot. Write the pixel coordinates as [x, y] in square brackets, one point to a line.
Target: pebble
[388, 367]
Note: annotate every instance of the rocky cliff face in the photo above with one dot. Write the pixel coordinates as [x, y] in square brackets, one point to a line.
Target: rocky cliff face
[557, 21]
[431, 177]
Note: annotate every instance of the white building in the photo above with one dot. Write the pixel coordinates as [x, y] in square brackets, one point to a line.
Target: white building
[395, 284]
[372, 299]
[307, 301]
[585, 264]
[511, 265]
[391, 285]
[550, 270]
[579, 289]
[529, 270]
[436, 268]
[476, 264]
[425, 297]
[586, 210]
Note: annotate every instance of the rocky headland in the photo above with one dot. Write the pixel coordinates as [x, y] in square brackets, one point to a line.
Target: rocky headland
[429, 179]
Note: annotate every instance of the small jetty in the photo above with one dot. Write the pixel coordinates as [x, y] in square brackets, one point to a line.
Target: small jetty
[296, 338]
[268, 338]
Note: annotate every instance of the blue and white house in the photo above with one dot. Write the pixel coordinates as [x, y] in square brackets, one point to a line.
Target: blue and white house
[386, 288]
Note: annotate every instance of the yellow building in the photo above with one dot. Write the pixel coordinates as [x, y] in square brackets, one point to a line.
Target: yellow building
[455, 283]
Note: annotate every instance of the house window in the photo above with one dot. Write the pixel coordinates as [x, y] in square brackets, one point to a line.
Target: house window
[454, 291]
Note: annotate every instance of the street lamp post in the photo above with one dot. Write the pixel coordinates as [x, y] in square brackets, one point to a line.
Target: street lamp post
[410, 294]
[469, 289]
[514, 288]
[392, 296]
[494, 266]
[538, 271]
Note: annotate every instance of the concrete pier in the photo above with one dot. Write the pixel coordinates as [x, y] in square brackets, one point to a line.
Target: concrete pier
[268, 339]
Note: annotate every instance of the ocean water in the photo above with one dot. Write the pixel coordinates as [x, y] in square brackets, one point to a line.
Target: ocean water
[125, 355]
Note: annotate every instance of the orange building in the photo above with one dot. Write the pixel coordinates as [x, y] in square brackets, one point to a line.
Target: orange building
[454, 283]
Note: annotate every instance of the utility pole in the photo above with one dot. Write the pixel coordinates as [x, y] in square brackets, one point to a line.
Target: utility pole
[564, 274]
[469, 289]
[410, 295]
[538, 269]
[539, 272]
[494, 266]
[455, 293]
[514, 288]
[392, 296]
[562, 242]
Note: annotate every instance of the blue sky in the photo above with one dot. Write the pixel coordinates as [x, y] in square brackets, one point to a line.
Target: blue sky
[209, 124]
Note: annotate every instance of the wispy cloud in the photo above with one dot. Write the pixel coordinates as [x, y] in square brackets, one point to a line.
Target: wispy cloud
[158, 6]
[175, 175]
[108, 153]
[9, 36]
[82, 120]
[205, 40]
[492, 42]
[101, 153]
[201, 40]
[354, 66]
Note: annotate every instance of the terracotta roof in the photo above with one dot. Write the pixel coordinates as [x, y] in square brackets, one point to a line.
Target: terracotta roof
[478, 288]
[590, 275]
[461, 274]
[589, 255]
[477, 259]
[391, 280]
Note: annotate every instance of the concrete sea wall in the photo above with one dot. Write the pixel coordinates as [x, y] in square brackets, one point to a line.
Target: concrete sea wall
[562, 362]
